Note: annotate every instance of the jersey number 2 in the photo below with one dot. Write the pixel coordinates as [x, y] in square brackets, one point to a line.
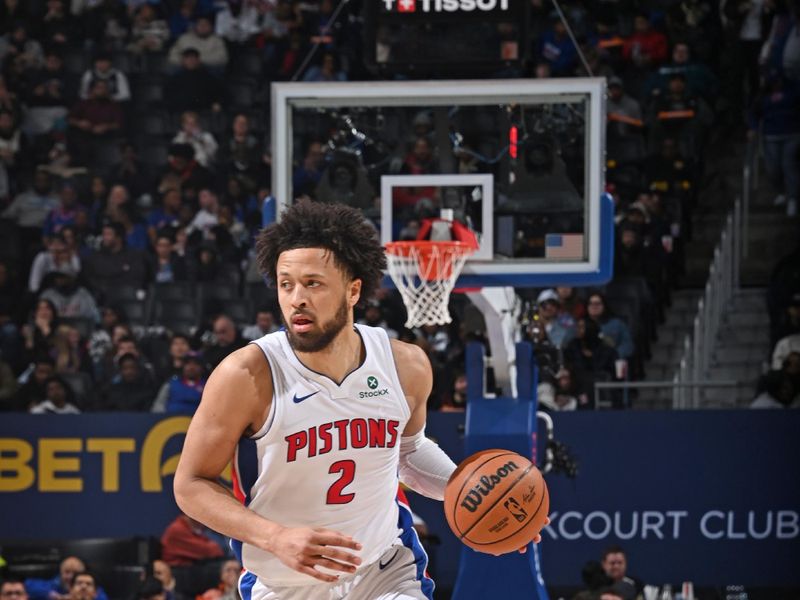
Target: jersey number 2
[347, 468]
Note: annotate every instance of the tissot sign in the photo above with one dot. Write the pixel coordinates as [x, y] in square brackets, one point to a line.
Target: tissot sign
[445, 6]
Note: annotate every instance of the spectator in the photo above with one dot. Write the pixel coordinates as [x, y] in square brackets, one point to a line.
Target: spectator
[30, 209]
[183, 172]
[556, 49]
[25, 52]
[151, 589]
[168, 265]
[48, 95]
[84, 587]
[132, 389]
[308, 174]
[571, 303]
[226, 340]
[373, 316]
[327, 70]
[162, 572]
[57, 258]
[58, 29]
[135, 228]
[34, 390]
[680, 115]
[594, 578]
[64, 214]
[71, 299]
[614, 331]
[210, 47]
[38, 332]
[185, 542]
[615, 564]
[779, 391]
[69, 352]
[560, 326]
[11, 147]
[743, 23]
[59, 399]
[208, 216]
[264, 325]
[165, 216]
[13, 589]
[457, 399]
[172, 363]
[587, 353]
[129, 170]
[193, 86]
[238, 21]
[625, 125]
[700, 81]
[228, 587]
[103, 70]
[95, 122]
[776, 113]
[646, 47]
[784, 348]
[114, 264]
[181, 393]
[149, 32]
[192, 133]
[563, 393]
[243, 154]
[8, 386]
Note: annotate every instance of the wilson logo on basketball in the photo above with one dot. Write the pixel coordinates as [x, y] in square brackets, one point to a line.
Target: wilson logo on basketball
[475, 496]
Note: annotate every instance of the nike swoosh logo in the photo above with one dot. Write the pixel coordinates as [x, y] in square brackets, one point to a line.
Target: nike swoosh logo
[298, 399]
[382, 565]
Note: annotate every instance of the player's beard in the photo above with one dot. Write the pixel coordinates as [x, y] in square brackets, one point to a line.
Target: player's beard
[316, 341]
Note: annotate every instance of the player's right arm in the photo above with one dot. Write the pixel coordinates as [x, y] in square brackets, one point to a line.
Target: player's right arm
[236, 402]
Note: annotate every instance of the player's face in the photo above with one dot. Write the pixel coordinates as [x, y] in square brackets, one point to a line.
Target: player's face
[315, 296]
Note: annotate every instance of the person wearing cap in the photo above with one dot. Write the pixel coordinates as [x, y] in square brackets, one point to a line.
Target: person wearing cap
[560, 326]
[181, 394]
[625, 125]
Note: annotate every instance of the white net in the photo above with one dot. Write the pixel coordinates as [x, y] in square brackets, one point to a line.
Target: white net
[425, 274]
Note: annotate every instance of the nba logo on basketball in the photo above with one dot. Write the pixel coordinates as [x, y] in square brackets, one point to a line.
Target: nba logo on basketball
[512, 506]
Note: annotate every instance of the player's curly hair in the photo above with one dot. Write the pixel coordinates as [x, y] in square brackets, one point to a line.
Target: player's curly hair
[339, 228]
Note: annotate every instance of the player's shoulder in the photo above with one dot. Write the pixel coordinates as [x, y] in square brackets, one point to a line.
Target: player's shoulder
[410, 359]
[242, 366]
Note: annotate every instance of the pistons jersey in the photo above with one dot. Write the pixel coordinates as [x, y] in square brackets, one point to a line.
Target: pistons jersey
[327, 455]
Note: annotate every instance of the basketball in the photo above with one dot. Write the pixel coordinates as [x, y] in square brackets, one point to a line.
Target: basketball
[496, 501]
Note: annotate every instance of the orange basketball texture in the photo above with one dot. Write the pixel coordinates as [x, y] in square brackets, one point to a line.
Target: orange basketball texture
[496, 501]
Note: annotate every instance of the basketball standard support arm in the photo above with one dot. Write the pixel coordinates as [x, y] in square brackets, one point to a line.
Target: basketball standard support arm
[511, 423]
[501, 308]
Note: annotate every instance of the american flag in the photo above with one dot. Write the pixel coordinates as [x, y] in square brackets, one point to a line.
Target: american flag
[563, 245]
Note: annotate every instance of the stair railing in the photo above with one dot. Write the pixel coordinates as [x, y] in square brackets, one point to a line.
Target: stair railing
[721, 286]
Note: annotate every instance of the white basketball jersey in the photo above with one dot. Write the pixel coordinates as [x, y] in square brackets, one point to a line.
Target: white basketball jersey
[328, 454]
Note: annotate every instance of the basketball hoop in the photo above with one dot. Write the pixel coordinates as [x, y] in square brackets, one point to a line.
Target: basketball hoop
[425, 272]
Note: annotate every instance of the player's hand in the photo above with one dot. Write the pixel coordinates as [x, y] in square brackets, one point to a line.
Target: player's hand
[537, 539]
[305, 548]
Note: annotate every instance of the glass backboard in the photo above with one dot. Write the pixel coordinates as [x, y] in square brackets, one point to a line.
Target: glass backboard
[519, 162]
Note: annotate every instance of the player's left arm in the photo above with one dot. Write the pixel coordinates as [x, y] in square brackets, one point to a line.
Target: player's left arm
[424, 467]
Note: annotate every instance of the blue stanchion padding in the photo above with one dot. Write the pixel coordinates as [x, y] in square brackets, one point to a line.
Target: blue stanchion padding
[508, 423]
[268, 211]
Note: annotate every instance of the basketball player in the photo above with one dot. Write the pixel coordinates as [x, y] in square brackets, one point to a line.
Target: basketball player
[322, 417]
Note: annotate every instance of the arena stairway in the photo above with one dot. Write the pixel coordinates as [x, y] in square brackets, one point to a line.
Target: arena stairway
[742, 347]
